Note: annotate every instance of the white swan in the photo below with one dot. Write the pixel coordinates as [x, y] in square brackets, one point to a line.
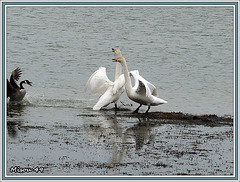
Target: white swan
[143, 92]
[109, 91]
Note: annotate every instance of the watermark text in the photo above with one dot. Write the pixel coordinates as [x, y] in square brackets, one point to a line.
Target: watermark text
[18, 169]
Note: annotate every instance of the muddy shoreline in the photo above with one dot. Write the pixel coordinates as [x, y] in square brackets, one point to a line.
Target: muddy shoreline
[175, 118]
[120, 143]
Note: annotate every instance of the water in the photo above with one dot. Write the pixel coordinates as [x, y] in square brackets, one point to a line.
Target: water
[186, 52]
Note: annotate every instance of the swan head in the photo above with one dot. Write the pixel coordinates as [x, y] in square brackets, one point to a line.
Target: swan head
[117, 52]
[119, 59]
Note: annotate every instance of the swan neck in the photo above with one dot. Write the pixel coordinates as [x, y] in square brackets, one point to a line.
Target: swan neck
[118, 66]
[118, 70]
[128, 84]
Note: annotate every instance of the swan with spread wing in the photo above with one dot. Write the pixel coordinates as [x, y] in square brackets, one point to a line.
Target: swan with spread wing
[109, 91]
[143, 92]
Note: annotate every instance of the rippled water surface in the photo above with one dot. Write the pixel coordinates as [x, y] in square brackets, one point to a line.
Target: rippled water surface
[186, 52]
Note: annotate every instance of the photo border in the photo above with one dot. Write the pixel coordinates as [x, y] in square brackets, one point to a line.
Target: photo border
[4, 4]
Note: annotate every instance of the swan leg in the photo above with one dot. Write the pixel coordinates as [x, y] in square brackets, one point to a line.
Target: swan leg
[136, 111]
[147, 110]
[116, 106]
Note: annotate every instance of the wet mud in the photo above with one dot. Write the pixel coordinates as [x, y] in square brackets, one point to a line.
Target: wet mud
[177, 118]
[122, 143]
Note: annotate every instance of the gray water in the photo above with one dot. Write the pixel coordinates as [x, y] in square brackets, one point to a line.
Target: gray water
[186, 52]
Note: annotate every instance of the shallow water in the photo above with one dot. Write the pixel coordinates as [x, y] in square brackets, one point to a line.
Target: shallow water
[186, 52]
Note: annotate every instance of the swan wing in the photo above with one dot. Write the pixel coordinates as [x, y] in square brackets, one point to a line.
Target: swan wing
[141, 89]
[112, 94]
[134, 73]
[119, 85]
[152, 88]
[142, 86]
[98, 83]
[139, 84]
[105, 99]
[16, 74]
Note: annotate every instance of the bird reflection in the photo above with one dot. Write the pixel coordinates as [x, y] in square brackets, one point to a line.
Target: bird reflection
[13, 121]
[13, 128]
[110, 129]
[139, 133]
[15, 109]
[106, 127]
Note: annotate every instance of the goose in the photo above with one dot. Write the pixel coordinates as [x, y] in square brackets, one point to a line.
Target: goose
[109, 91]
[143, 92]
[15, 92]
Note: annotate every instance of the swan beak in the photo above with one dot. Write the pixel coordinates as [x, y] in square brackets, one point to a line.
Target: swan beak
[113, 50]
[114, 60]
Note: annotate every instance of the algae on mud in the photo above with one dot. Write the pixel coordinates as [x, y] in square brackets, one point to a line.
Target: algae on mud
[207, 119]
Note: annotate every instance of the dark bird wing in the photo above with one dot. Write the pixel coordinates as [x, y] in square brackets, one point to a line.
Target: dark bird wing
[16, 74]
[10, 89]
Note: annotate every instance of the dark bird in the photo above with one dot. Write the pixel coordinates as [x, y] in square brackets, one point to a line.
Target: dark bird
[15, 92]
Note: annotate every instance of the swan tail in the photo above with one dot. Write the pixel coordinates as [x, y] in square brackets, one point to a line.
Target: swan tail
[97, 107]
[162, 101]
[158, 101]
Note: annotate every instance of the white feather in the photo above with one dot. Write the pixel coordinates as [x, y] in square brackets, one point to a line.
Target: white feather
[98, 83]
[109, 91]
[143, 91]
